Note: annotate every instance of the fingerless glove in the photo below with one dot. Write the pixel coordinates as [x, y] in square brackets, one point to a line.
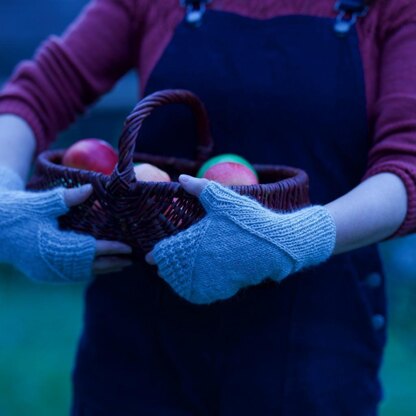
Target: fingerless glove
[241, 243]
[30, 238]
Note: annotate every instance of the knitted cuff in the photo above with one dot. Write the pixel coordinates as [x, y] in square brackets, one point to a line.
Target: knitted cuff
[46, 203]
[70, 256]
[317, 229]
[307, 235]
[405, 173]
[10, 180]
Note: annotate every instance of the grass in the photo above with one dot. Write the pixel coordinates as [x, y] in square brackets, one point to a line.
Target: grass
[39, 329]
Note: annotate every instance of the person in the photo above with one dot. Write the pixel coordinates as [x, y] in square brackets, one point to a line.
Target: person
[253, 311]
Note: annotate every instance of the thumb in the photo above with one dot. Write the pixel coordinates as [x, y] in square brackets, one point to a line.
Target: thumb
[75, 196]
[192, 185]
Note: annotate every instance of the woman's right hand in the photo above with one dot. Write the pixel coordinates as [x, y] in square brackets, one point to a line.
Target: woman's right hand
[31, 240]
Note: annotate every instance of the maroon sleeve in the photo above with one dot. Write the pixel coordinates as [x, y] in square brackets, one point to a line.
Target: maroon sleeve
[394, 148]
[70, 72]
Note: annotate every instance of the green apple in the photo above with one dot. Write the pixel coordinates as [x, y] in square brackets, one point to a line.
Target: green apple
[226, 157]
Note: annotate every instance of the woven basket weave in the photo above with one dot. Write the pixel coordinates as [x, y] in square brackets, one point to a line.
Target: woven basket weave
[143, 213]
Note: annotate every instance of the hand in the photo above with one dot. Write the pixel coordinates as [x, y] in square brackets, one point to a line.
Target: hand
[239, 243]
[31, 240]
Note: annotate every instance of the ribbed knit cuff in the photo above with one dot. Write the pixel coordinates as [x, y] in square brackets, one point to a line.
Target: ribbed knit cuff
[71, 257]
[307, 236]
[47, 203]
[80, 270]
[10, 180]
[317, 229]
[409, 180]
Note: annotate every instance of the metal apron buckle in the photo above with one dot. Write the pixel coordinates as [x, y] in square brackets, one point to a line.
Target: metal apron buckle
[195, 10]
[348, 12]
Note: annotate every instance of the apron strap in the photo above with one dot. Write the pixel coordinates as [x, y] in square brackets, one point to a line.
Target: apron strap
[348, 12]
[351, 6]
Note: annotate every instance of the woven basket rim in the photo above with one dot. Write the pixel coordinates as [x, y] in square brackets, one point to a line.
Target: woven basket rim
[296, 177]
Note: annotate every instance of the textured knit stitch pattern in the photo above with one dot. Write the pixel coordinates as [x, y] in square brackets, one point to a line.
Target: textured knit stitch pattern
[240, 243]
[30, 239]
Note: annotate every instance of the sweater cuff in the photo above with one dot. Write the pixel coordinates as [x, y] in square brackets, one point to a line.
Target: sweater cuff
[22, 110]
[409, 180]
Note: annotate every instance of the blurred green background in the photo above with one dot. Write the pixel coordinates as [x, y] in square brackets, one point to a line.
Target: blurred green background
[40, 324]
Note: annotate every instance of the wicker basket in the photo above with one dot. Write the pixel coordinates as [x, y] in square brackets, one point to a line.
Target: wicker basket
[143, 213]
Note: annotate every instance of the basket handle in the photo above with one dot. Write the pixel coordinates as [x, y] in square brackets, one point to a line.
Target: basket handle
[123, 173]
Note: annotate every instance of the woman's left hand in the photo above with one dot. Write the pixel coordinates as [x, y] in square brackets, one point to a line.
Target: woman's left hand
[239, 243]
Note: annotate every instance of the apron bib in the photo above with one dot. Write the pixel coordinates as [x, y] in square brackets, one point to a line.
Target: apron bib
[286, 90]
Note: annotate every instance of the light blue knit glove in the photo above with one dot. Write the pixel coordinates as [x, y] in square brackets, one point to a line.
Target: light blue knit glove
[240, 243]
[30, 239]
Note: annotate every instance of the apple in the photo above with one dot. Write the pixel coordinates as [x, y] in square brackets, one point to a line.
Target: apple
[91, 154]
[226, 157]
[230, 173]
[146, 172]
[229, 169]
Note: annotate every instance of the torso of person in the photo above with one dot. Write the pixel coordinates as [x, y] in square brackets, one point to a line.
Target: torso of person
[281, 87]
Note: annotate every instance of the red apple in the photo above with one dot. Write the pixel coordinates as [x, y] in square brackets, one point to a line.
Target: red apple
[230, 173]
[91, 154]
[149, 173]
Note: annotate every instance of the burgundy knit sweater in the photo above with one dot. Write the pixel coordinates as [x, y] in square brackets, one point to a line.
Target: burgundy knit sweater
[110, 37]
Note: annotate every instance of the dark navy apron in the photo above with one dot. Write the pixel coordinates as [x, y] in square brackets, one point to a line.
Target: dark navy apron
[286, 90]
